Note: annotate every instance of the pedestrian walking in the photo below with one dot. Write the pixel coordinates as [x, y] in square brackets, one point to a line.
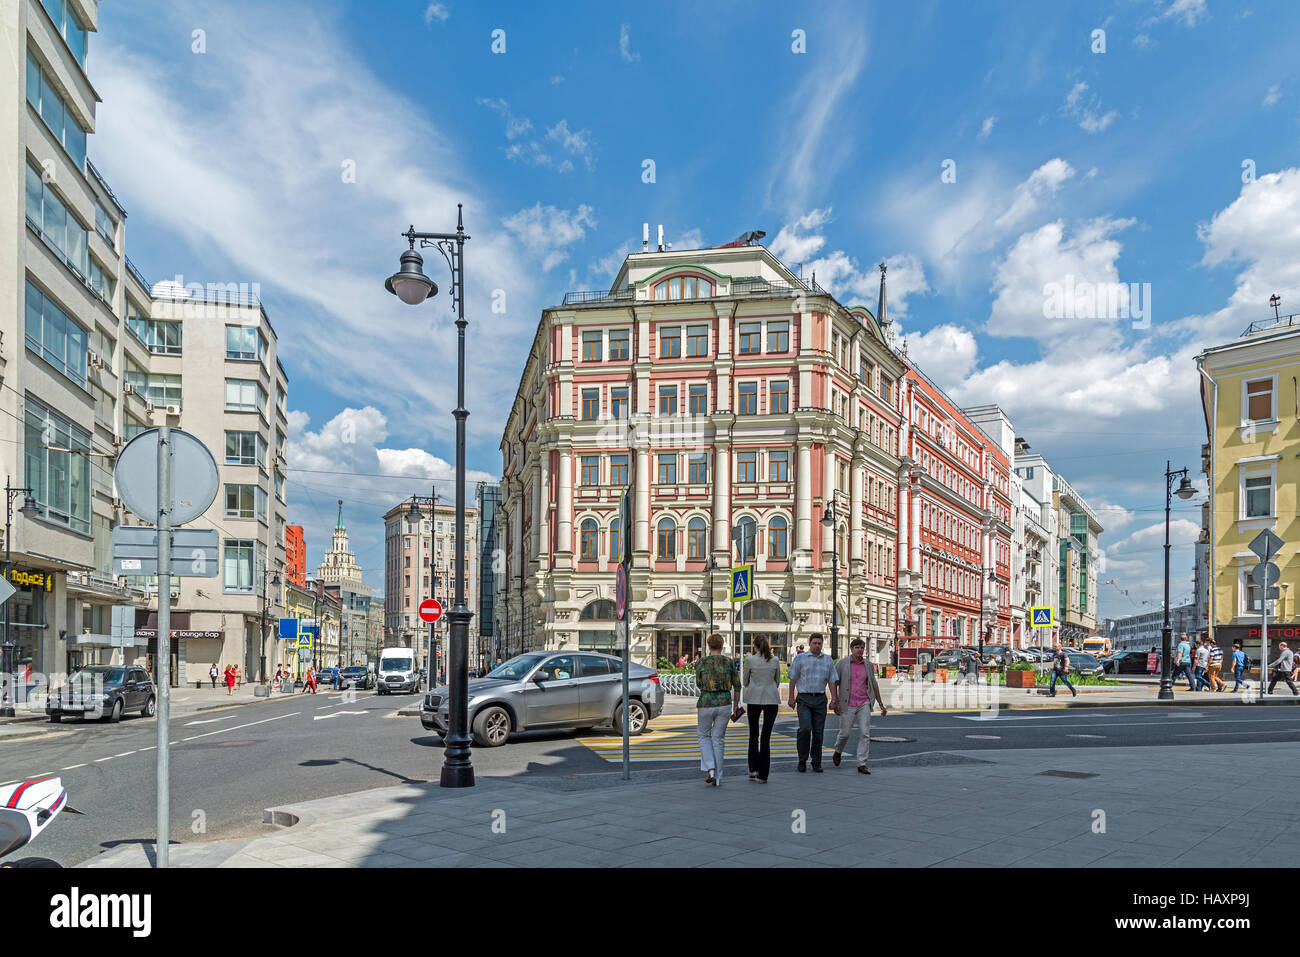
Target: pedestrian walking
[810, 673]
[1215, 666]
[1282, 669]
[1202, 664]
[239, 677]
[761, 680]
[212, 674]
[1182, 662]
[853, 694]
[1061, 670]
[230, 680]
[718, 679]
[1240, 663]
[336, 678]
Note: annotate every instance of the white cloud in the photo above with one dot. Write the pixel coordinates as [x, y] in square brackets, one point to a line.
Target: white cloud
[1142, 41]
[547, 231]
[625, 45]
[1087, 113]
[532, 152]
[946, 353]
[575, 142]
[986, 128]
[1048, 256]
[436, 11]
[1042, 183]
[1188, 11]
[1273, 97]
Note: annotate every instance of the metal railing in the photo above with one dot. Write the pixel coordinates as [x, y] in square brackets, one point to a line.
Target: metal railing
[1281, 322]
[683, 685]
[139, 276]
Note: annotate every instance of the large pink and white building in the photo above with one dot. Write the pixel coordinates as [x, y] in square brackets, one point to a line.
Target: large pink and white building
[725, 392]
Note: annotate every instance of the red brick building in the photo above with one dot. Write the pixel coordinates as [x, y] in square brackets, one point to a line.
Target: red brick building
[295, 556]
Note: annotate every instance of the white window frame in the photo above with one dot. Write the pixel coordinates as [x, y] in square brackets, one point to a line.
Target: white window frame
[1258, 424]
[1264, 466]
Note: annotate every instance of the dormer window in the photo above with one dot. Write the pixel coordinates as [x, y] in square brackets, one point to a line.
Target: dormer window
[684, 287]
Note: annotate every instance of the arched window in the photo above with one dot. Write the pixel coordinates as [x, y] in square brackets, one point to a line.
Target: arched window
[667, 539]
[761, 610]
[777, 534]
[697, 538]
[680, 610]
[587, 540]
[615, 539]
[749, 536]
[602, 609]
[684, 287]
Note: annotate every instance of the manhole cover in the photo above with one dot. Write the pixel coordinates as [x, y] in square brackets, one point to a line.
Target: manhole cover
[1066, 774]
[887, 739]
[985, 737]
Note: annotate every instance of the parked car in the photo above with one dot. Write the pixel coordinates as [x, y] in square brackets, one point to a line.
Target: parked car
[1126, 663]
[103, 691]
[357, 677]
[994, 654]
[550, 690]
[1084, 664]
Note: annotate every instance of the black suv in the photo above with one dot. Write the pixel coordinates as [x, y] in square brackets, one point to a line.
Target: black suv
[357, 677]
[103, 691]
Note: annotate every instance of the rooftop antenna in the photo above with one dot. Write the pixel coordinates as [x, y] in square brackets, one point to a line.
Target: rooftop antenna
[645, 237]
[1275, 300]
[661, 237]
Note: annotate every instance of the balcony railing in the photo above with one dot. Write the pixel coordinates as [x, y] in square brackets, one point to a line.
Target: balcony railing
[139, 276]
[1281, 322]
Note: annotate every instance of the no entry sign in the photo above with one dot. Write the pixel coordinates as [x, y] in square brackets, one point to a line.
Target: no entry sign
[430, 610]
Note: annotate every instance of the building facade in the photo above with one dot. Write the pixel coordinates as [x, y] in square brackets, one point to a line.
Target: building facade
[419, 559]
[725, 394]
[91, 355]
[295, 555]
[341, 577]
[1249, 458]
[955, 571]
[1142, 631]
[1042, 562]
[489, 650]
[1080, 562]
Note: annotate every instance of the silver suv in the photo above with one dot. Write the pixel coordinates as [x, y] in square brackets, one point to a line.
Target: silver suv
[559, 689]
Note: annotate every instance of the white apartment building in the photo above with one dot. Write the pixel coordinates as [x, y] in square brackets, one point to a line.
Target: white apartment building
[89, 357]
[1041, 547]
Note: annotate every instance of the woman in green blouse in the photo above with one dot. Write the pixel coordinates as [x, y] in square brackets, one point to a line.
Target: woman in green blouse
[718, 678]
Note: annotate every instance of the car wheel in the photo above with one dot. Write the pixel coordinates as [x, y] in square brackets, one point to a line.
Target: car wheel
[636, 712]
[491, 727]
[149, 708]
[55, 717]
[115, 715]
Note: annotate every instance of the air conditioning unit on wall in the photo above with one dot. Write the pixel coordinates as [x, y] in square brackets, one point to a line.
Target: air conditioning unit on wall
[173, 410]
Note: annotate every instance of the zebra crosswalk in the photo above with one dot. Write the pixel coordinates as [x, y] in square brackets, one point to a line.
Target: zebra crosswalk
[674, 738]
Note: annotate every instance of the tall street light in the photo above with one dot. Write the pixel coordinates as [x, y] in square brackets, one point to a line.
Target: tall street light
[713, 567]
[413, 287]
[1185, 491]
[29, 509]
[828, 521]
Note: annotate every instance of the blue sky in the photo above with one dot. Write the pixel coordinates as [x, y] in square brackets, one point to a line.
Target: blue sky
[1122, 166]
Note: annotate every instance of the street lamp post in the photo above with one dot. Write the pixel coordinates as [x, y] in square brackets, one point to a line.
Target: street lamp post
[28, 509]
[1185, 491]
[413, 287]
[713, 567]
[828, 521]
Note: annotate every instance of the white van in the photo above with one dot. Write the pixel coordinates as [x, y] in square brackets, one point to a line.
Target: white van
[397, 671]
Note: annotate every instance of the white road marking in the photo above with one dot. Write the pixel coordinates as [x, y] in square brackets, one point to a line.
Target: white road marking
[209, 720]
[239, 726]
[123, 754]
[1085, 736]
[985, 737]
[71, 767]
[322, 717]
[109, 758]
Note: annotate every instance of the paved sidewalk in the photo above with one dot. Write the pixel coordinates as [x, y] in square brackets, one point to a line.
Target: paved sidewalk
[1107, 807]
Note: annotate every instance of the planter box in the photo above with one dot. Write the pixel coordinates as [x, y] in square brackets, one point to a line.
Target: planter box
[1021, 679]
[941, 674]
[890, 671]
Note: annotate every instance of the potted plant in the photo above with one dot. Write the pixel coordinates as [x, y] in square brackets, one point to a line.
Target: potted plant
[1021, 675]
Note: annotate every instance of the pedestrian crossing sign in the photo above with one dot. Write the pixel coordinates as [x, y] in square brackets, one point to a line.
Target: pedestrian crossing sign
[742, 583]
[1041, 617]
[304, 639]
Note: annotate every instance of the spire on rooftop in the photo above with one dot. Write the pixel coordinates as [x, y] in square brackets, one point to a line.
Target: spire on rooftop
[881, 316]
[340, 524]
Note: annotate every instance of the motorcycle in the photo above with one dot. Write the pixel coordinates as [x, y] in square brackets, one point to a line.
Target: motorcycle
[26, 809]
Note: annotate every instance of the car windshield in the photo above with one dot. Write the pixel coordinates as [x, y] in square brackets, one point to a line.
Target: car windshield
[516, 668]
[395, 664]
[108, 676]
[353, 671]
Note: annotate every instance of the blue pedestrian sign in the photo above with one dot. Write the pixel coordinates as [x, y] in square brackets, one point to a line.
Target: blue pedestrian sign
[1041, 617]
[742, 583]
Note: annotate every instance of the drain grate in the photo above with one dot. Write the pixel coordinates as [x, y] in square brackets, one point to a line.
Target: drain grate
[1066, 774]
[887, 739]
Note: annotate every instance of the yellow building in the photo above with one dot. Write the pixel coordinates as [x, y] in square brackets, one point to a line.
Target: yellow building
[1252, 412]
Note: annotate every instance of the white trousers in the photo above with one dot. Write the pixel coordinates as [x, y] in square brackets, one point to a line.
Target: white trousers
[712, 725]
[861, 716]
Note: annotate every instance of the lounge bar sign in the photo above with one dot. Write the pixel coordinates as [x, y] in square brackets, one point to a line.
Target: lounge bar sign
[176, 633]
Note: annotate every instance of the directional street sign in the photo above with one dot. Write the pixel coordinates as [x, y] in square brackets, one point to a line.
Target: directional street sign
[1266, 544]
[742, 583]
[1041, 616]
[194, 551]
[1265, 574]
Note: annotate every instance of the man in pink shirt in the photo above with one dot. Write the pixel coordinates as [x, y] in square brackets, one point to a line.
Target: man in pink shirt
[852, 697]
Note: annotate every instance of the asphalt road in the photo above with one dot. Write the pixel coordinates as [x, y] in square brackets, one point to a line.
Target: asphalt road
[229, 765]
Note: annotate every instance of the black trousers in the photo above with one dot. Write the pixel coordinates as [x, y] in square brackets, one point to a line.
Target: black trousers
[1280, 675]
[812, 726]
[760, 743]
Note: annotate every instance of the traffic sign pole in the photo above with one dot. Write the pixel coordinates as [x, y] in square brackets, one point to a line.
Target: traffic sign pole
[164, 641]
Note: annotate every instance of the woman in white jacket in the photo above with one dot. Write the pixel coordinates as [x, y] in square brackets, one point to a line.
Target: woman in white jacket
[761, 680]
